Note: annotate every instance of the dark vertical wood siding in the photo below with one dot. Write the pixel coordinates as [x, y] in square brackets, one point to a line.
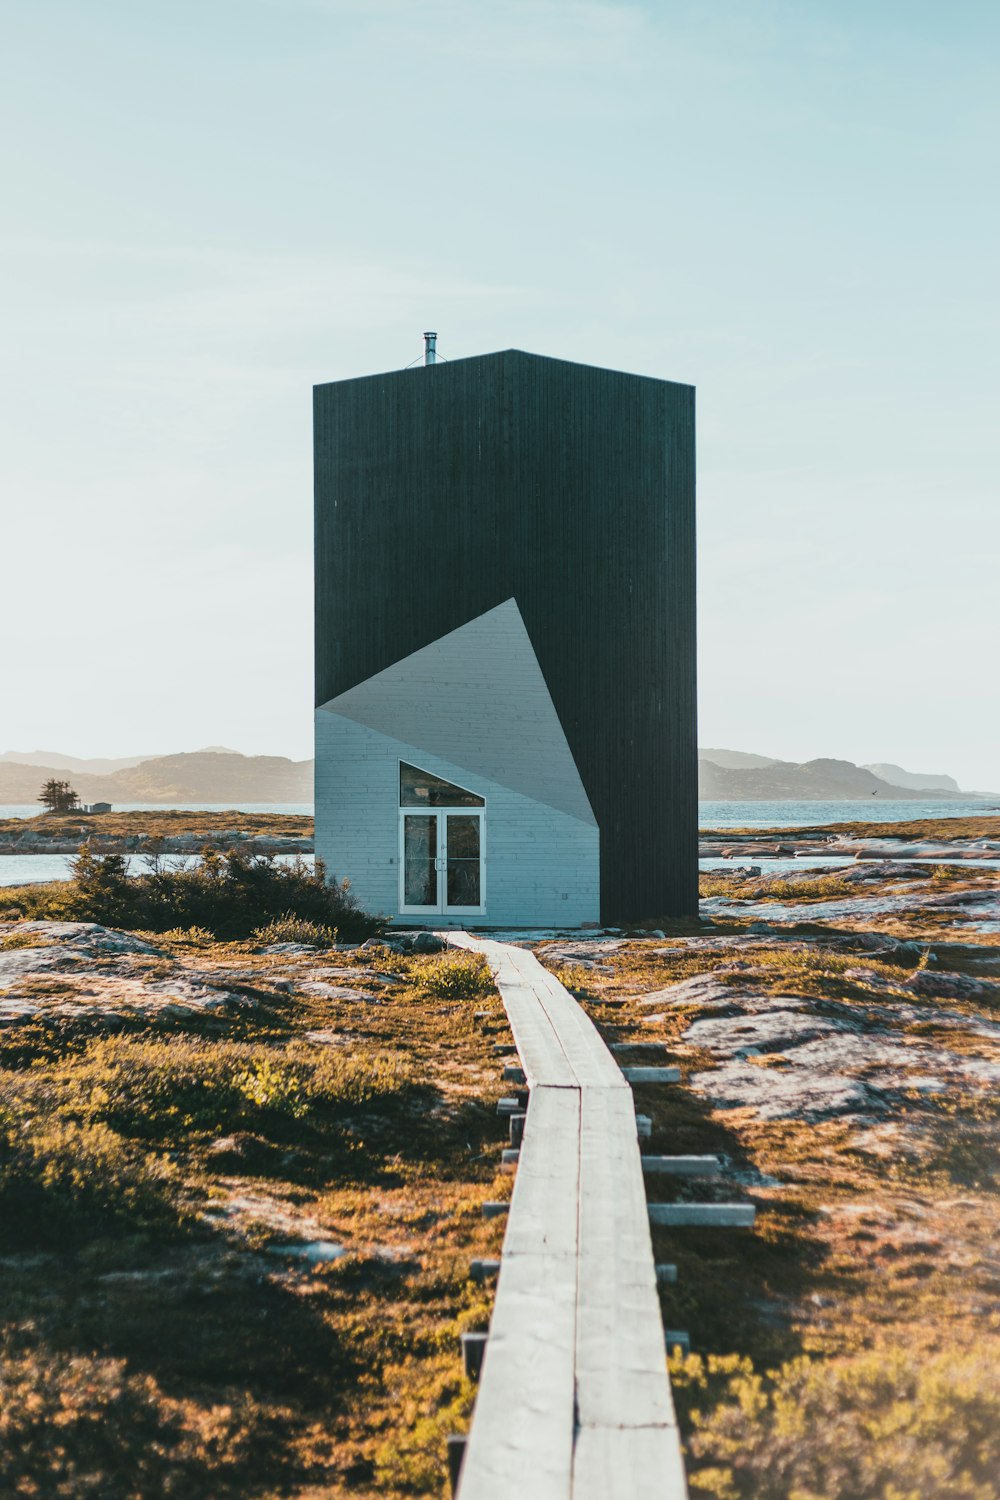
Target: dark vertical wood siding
[442, 491]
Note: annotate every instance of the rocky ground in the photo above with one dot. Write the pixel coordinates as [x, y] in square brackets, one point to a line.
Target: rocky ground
[240, 1194]
[162, 832]
[240, 1191]
[927, 838]
[841, 1054]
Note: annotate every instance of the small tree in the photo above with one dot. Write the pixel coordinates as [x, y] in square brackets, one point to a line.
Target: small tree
[104, 892]
[58, 796]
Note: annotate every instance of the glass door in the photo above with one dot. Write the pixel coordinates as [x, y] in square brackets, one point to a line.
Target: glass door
[463, 861]
[441, 862]
[419, 863]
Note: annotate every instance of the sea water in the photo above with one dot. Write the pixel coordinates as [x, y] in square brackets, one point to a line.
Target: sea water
[22, 869]
[818, 814]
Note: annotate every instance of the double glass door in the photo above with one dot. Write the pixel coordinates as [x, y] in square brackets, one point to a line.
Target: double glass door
[441, 861]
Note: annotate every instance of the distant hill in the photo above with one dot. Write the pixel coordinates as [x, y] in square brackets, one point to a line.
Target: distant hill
[231, 779]
[896, 776]
[814, 781]
[199, 776]
[53, 760]
[738, 760]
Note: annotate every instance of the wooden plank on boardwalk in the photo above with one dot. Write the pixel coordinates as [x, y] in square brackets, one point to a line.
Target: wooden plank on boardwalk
[521, 1440]
[574, 1401]
[620, 1367]
[538, 1044]
[651, 1075]
[628, 1464]
[516, 971]
[543, 1212]
[581, 1041]
[683, 1166]
[584, 1045]
[721, 1215]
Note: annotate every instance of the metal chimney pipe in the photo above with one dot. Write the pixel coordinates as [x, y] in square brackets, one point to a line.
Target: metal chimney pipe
[430, 348]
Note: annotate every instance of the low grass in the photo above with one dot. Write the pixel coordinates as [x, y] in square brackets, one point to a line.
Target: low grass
[54, 899]
[63, 1415]
[174, 1088]
[457, 976]
[985, 827]
[843, 1348]
[775, 887]
[877, 1426]
[160, 823]
[157, 1336]
[158, 1326]
[289, 928]
[63, 1183]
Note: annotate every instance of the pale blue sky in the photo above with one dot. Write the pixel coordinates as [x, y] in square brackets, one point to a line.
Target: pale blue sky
[207, 207]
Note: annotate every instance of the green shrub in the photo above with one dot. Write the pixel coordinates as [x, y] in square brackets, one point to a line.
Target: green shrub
[52, 900]
[85, 1428]
[197, 937]
[288, 928]
[63, 1182]
[166, 1089]
[229, 895]
[383, 960]
[414, 1458]
[271, 1087]
[885, 1425]
[457, 976]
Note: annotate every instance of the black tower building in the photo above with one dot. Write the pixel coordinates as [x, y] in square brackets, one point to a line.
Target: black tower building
[533, 522]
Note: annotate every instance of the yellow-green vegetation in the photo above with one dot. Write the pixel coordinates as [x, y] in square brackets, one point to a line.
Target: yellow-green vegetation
[235, 1241]
[55, 900]
[879, 1426]
[846, 1347]
[63, 1182]
[774, 888]
[918, 828]
[289, 928]
[458, 976]
[227, 894]
[177, 1316]
[159, 823]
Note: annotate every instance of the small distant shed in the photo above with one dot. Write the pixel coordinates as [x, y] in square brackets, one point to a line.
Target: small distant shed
[99, 807]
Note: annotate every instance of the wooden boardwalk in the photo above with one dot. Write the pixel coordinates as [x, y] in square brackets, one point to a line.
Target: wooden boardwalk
[574, 1400]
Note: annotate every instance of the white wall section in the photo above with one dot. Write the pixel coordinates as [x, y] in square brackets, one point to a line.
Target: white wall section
[542, 864]
[476, 698]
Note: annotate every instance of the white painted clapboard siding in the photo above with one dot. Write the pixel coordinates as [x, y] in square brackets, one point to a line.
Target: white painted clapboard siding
[476, 697]
[542, 864]
[574, 1401]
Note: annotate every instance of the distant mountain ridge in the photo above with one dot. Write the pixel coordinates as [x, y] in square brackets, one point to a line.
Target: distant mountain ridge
[229, 778]
[194, 776]
[53, 760]
[896, 776]
[820, 780]
[739, 760]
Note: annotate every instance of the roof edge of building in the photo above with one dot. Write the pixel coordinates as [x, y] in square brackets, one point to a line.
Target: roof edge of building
[443, 365]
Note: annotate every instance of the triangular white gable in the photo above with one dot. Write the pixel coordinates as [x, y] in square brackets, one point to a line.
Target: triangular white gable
[477, 698]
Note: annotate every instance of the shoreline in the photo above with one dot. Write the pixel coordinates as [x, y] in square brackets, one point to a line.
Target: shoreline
[178, 832]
